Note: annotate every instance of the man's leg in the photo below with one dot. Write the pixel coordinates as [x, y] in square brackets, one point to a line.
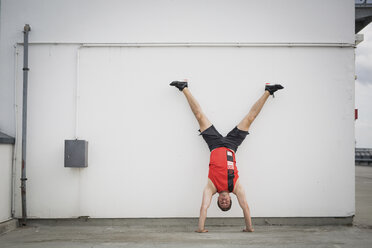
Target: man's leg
[202, 119]
[253, 112]
[256, 108]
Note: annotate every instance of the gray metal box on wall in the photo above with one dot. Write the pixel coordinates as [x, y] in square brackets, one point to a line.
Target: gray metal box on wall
[76, 153]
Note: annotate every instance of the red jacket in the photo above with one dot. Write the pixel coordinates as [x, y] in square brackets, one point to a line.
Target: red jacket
[222, 169]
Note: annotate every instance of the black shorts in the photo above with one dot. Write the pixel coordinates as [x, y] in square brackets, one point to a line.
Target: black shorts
[232, 140]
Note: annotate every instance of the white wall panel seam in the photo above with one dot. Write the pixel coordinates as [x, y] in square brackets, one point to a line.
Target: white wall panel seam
[196, 44]
[77, 91]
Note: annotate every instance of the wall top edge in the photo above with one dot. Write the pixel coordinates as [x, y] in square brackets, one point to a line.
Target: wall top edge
[196, 44]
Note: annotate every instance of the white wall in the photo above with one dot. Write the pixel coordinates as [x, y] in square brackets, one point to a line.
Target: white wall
[6, 152]
[145, 156]
[143, 142]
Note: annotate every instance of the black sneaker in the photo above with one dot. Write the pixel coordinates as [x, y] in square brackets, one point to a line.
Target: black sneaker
[272, 88]
[179, 84]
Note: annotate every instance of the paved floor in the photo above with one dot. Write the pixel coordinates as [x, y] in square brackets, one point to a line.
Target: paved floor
[363, 196]
[139, 236]
[165, 235]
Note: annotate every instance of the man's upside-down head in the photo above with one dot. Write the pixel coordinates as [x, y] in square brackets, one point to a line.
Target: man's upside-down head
[224, 201]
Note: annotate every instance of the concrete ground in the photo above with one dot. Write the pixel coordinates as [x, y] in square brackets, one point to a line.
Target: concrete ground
[363, 196]
[180, 233]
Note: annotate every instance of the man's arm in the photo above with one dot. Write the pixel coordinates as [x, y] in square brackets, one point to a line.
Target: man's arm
[207, 197]
[240, 194]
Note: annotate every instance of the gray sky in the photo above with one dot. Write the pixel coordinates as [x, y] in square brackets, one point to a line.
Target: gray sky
[363, 90]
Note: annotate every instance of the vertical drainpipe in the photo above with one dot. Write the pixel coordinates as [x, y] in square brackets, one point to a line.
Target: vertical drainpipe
[27, 29]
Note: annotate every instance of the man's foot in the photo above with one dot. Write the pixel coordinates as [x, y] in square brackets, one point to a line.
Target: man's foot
[179, 84]
[272, 88]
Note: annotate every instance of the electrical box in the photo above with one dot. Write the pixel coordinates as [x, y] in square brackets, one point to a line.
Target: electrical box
[76, 153]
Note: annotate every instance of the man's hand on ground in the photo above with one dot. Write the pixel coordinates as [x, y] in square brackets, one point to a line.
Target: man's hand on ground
[248, 229]
[201, 231]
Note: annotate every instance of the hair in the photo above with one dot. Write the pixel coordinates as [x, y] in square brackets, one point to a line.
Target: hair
[224, 209]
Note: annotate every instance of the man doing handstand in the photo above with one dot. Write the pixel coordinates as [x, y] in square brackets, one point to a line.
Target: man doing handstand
[223, 173]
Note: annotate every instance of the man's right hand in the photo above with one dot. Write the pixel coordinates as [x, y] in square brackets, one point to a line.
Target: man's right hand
[248, 229]
[207, 197]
